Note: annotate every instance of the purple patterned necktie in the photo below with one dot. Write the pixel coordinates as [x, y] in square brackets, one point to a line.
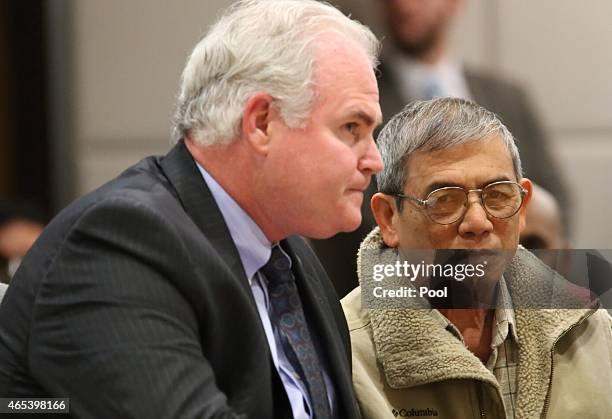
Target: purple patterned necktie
[288, 316]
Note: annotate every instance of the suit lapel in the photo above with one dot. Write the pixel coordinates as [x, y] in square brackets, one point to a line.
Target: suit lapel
[197, 200]
[393, 100]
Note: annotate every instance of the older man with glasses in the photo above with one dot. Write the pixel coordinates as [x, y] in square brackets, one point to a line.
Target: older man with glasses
[452, 317]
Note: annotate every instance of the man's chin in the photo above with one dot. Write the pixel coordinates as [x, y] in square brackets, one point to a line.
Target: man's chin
[347, 224]
[352, 220]
[352, 227]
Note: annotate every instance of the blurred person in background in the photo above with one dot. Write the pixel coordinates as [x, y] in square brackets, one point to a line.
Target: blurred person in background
[544, 232]
[20, 226]
[544, 235]
[543, 226]
[417, 64]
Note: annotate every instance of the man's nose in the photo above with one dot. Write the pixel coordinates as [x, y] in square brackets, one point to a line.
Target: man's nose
[476, 221]
[371, 161]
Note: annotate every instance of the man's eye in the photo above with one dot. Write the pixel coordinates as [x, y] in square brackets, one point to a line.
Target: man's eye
[351, 127]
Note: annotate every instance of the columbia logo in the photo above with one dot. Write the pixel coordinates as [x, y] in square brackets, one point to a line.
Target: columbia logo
[413, 413]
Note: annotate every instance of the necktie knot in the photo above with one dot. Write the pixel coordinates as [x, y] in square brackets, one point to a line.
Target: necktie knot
[278, 267]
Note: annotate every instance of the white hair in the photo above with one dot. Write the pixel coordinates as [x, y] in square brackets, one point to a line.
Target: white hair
[258, 46]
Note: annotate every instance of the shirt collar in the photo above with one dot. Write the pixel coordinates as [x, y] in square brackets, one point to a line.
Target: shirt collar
[505, 322]
[253, 246]
[412, 76]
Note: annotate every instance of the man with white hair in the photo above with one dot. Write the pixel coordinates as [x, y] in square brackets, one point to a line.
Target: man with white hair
[511, 339]
[181, 289]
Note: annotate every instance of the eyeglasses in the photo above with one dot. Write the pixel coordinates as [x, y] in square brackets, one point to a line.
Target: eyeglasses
[448, 205]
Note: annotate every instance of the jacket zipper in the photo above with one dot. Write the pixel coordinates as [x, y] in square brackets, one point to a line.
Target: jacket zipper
[480, 386]
[552, 360]
[483, 415]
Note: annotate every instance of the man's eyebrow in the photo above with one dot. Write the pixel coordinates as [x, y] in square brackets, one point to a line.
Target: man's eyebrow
[365, 117]
[437, 185]
[497, 179]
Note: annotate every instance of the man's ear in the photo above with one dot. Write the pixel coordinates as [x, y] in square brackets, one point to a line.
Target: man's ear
[386, 213]
[527, 185]
[259, 111]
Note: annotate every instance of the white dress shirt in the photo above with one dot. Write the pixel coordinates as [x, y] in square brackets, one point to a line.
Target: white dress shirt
[416, 80]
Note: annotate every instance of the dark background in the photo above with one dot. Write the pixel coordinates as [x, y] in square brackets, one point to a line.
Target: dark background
[25, 174]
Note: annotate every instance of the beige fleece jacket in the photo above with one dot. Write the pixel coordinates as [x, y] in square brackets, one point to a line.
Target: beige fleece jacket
[406, 365]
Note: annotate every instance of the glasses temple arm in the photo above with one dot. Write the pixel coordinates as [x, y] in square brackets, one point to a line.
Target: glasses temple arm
[412, 198]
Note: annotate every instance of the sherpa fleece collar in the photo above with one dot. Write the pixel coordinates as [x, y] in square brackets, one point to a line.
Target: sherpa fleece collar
[414, 349]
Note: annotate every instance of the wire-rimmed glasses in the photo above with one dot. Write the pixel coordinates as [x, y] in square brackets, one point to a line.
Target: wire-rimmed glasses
[449, 204]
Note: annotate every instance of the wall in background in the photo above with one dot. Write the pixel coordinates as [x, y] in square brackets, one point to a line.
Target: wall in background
[116, 69]
[25, 175]
[6, 92]
[561, 50]
[121, 62]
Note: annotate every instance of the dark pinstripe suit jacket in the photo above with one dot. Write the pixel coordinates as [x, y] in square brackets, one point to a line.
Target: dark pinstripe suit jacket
[134, 303]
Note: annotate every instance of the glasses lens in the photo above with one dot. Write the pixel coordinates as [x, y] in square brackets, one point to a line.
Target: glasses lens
[503, 199]
[446, 206]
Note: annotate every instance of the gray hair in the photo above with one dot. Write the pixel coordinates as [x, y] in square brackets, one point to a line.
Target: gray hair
[435, 125]
[258, 46]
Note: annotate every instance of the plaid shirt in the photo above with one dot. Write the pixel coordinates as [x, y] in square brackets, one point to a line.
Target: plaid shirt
[503, 360]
